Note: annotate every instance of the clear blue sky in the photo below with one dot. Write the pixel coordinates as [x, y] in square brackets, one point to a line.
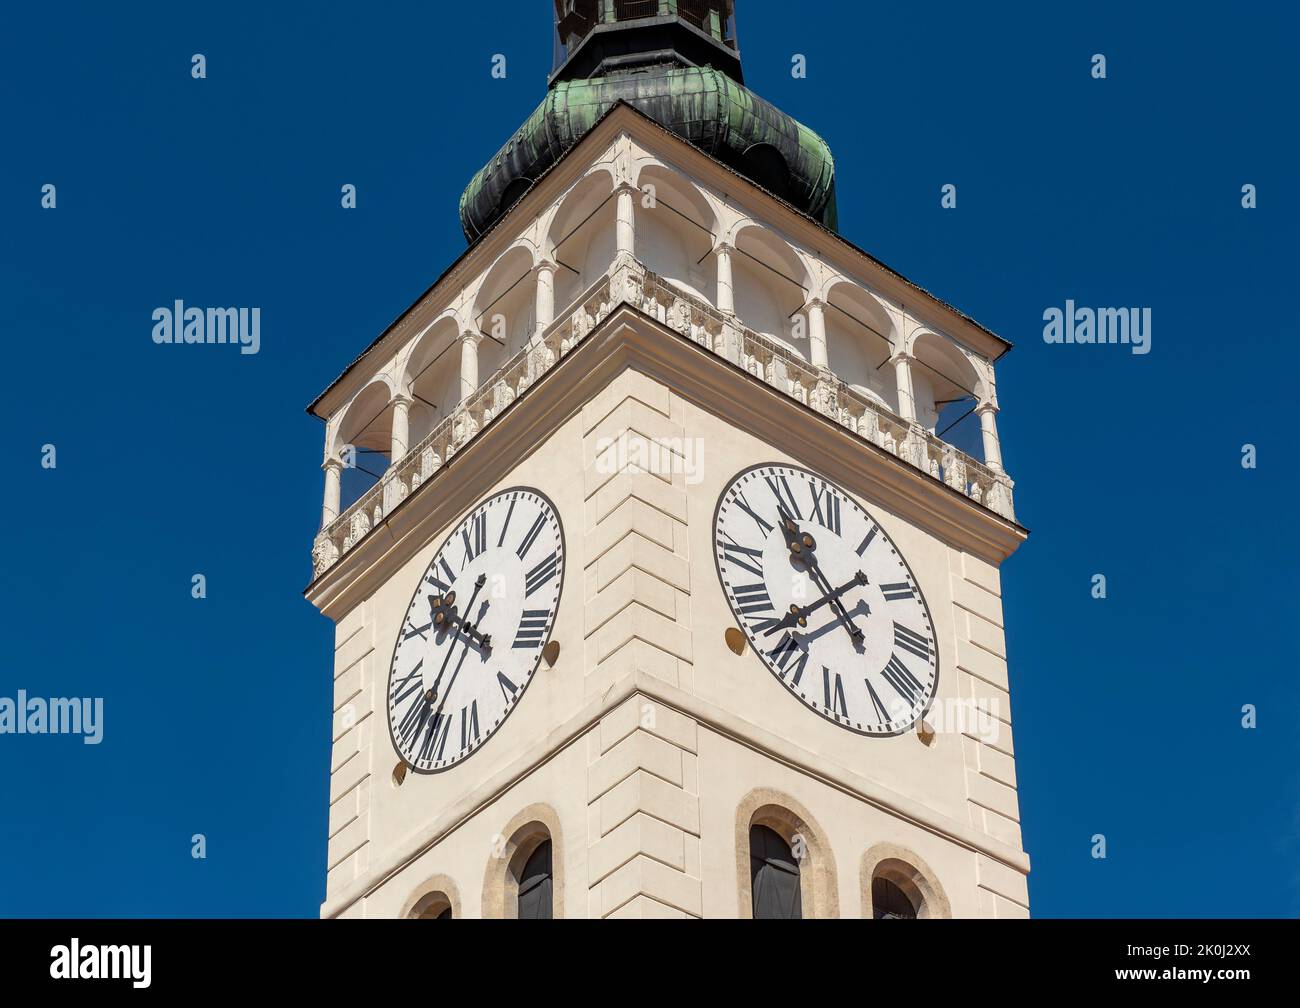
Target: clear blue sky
[173, 461]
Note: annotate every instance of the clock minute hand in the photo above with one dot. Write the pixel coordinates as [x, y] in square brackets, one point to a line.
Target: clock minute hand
[452, 682]
[841, 614]
[834, 600]
[478, 585]
[442, 609]
[804, 546]
[459, 624]
[798, 612]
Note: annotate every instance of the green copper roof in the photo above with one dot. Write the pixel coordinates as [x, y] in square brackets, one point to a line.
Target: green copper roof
[700, 104]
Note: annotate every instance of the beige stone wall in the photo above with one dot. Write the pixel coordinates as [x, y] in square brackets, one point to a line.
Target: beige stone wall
[353, 750]
[649, 741]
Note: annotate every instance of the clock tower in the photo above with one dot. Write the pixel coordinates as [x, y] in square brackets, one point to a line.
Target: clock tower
[674, 587]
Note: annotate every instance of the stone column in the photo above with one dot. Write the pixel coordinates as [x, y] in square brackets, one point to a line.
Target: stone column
[401, 428]
[333, 491]
[989, 429]
[726, 292]
[468, 364]
[817, 334]
[545, 301]
[903, 373]
[625, 229]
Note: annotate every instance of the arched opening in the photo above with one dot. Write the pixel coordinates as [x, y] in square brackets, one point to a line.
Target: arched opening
[535, 885]
[504, 310]
[433, 377]
[434, 906]
[784, 866]
[435, 899]
[774, 876]
[582, 237]
[897, 885]
[889, 902]
[364, 442]
[675, 230]
[859, 339]
[771, 285]
[946, 389]
[525, 874]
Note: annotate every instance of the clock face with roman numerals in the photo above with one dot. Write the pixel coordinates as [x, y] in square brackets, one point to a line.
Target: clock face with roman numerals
[825, 599]
[474, 631]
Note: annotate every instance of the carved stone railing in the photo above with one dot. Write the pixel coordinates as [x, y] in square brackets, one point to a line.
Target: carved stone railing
[783, 369]
[455, 431]
[630, 283]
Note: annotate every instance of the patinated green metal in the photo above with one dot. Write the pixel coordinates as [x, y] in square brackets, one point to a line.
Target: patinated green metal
[698, 103]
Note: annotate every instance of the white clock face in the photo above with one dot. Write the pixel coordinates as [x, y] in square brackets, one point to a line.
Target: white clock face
[825, 599]
[474, 632]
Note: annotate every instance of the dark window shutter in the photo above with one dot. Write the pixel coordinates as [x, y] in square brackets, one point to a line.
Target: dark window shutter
[774, 875]
[888, 902]
[536, 885]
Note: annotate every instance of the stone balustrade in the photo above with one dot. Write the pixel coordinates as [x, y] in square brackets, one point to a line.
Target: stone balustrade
[629, 282]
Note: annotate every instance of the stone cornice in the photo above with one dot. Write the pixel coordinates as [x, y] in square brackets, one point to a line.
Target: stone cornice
[630, 339]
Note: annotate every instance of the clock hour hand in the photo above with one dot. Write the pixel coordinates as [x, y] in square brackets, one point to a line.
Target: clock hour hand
[482, 579]
[437, 713]
[803, 546]
[443, 611]
[799, 614]
[447, 604]
[795, 541]
[840, 612]
[459, 624]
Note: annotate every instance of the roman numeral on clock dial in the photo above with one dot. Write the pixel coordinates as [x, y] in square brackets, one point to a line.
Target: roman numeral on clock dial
[747, 558]
[826, 508]
[833, 691]
[530, 536]
[532, 628]
[474, 632]
[475, 537]
[815, 581]
[910, 640]
[542, 573]
[780, 487]
[755, 605]
[899, 677]
[764, 526]
[790, 658]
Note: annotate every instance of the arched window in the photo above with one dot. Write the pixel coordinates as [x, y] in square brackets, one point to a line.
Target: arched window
[889, 902]
[898, 885]
[774, 876]
[784, 868]
[525, 874]
[537, 885]
[434, 906]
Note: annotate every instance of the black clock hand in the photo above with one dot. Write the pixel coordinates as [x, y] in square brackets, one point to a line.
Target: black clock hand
[437, 714]
[442, 609]
[803, 546]
[798, 612]
[478, 585]
[837, 606]
[830, 626]
[459, 624]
